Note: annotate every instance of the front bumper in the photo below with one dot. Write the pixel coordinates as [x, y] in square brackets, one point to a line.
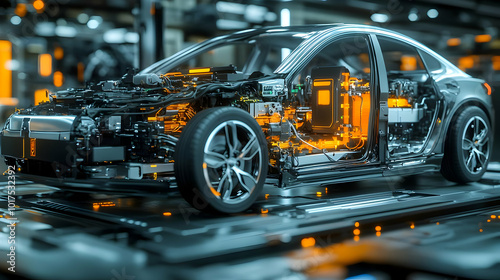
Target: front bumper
[46, 146]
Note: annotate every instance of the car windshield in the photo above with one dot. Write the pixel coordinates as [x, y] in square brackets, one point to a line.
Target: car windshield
[263, 52]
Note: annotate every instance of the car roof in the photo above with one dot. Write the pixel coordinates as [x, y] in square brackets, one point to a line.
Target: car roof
[324, 30]
[329, 30]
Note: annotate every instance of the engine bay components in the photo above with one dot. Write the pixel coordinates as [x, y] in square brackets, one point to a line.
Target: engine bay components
[329, 113]
[411, 111]
[272, 88]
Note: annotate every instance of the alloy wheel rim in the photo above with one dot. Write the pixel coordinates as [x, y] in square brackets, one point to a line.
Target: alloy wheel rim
[232, 162]
[475, 145]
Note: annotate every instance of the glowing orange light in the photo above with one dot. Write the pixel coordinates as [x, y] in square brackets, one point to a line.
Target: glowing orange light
[318, 193]
[378, 233]
[9, 101]
[324, 97]
[308, 242]
[33, 147]
[453, 42]
[408, 63]
[21, 10]
[488, 220]
[80, 71]
[104, 204]
[356, 224]
[437, 223]
[493, 216]
[356, 231]
[264, 211]
[322, 83]
[199, 70]
[488, 88]
[58, 79]
[398, 102]
[412, 226]
[356, 238]
[345, 83]
[173, 74]
[466, 62]
[167, 214]
[483, 38]
[45, 64]
[38, 5]
[41, 96]
[480, 230]
[5, 73]
[58, 53]
[496, 62]
[214, 191]
[378, 228]
[152, 10]
[266, 196]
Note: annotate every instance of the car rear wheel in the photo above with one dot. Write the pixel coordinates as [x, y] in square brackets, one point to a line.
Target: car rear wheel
[221, 160]
[468, 147]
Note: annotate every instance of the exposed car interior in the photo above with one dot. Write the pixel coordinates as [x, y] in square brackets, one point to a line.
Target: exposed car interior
[334, 89]
[413, 104]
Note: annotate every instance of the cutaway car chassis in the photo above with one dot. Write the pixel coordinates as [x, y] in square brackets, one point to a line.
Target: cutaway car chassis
[222, 133]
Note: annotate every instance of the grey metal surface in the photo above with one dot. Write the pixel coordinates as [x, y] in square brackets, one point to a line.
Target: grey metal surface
[114, 153]
[41, 127]
[405, 115]
[144, 236]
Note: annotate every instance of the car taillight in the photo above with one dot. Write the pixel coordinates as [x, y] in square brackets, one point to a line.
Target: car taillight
[487, 88]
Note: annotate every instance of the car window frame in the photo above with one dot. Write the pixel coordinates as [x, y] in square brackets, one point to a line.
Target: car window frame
[304, 61]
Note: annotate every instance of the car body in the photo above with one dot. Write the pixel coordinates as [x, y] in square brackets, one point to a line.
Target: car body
[308, 105]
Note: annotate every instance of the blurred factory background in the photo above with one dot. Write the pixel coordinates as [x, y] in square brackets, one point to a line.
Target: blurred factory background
[57, 44]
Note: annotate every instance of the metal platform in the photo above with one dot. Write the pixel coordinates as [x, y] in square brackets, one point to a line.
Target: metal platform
[389, 227]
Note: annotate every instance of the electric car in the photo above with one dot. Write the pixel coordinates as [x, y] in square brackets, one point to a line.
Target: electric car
[305, 105]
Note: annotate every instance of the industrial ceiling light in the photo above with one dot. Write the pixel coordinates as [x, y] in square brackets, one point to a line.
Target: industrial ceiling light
[94, 22]
[82, 18]
[229, 24]
[285, 17]
[15, 20]
[413, 15]
[65, 31]
[255, 14]
[115, 36]
[381, 18]
[432, 13]
[230, 8]
[285, 21]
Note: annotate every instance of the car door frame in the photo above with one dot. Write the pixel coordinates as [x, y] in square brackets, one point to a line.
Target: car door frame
[410, 164]
[346, 171]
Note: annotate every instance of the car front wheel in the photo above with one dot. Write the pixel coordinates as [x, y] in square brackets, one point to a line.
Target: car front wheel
[221, 160]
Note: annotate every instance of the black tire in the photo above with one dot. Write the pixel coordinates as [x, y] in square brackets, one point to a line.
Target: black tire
[205, 169]
[468, 146]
